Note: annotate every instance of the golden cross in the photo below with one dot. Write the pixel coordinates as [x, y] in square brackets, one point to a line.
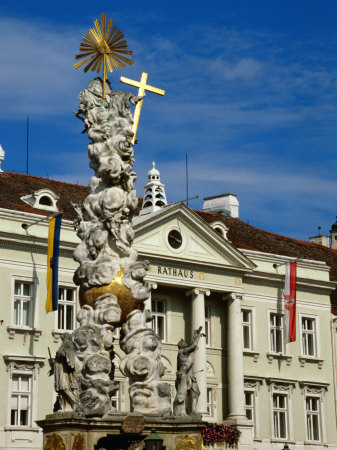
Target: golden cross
[142, 87]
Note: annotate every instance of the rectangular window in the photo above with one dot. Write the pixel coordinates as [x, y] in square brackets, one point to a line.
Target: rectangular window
[246, 329]
[210, 403]
[280, 415]
[249, 405]
[158, 314]
[66, 309]
[276, 333]
[308, 336]
[313, 415]
[21, 400]
[115, 399]
[23, 297]
[208, 325]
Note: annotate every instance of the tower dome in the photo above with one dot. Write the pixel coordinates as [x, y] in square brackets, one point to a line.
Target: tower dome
[154, 192]
[153, 174]
[334, 226]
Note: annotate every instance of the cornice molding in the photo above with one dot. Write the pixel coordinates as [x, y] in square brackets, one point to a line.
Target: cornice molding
[26, 217]
[279, 279]
[275, 258]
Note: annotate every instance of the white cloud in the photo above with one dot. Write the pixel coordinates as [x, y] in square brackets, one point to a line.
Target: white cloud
[36, 68]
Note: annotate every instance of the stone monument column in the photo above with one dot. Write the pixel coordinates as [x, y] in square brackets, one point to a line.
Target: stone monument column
[148, 301]
[235, 359]
[199, 365]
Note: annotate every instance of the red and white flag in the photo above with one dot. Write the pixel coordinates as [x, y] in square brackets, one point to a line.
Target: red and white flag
[290, 303]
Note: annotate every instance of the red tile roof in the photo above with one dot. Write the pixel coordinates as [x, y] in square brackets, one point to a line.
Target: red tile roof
[13, 186]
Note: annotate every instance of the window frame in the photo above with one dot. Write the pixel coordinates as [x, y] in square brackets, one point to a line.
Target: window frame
[252, 407]
[212, 392]
[28, 366]
[64, 285]
[315, 390]
[276, 328]
[156, 314]
[19, 393]
[315, 320]
[252, 385]
[319, 400]
[117, 396]
[279, 411]
[33, 310]
[210, 402]
[250, 328]
[208, 328]
[281, 386]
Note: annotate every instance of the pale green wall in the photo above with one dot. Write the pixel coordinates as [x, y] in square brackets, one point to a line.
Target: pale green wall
[262, 295]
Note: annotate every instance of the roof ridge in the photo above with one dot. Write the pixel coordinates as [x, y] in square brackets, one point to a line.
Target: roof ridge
[270, 232]
[43, 178]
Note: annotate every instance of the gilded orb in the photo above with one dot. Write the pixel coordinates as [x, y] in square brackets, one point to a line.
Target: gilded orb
[125, 299]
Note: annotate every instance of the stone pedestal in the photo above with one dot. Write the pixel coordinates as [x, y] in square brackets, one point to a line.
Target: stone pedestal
[64, 431]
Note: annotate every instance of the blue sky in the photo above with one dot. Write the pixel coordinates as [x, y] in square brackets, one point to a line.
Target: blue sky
[251, 97]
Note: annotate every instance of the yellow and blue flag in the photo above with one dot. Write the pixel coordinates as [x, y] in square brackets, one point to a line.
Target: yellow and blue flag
[53, 262]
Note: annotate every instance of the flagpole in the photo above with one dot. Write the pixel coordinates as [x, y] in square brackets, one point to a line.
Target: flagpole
[288, 262]
[25, 226]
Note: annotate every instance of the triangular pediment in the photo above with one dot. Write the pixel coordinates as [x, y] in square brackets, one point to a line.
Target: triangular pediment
[177, 232]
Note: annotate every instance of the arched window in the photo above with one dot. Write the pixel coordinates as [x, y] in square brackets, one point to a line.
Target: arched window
[219, 230]
[45, 200]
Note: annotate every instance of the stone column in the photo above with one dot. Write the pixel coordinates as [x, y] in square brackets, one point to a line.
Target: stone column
[236, 400]
[199, 365]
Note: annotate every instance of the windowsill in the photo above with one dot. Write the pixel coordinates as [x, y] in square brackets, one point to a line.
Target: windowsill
[21, 428]
[311, 359]
[271, 356]
[210, 419]
[58, 333]
[283, 440]
[13, 329]
[252, 353]
[315, 443]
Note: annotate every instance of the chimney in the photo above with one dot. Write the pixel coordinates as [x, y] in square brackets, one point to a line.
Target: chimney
[321, 238]
[226, 204]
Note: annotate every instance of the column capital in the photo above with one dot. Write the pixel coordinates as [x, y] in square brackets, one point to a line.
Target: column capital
[232, 296]
[194, 291]
[197, 291]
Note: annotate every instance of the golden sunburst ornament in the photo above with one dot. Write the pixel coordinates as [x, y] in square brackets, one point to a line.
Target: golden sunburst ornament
[103, 47]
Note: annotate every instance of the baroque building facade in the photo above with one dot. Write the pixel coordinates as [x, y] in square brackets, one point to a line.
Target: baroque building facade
[207, 268]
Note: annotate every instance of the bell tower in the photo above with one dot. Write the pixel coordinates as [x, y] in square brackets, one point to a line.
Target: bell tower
[154, 192]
